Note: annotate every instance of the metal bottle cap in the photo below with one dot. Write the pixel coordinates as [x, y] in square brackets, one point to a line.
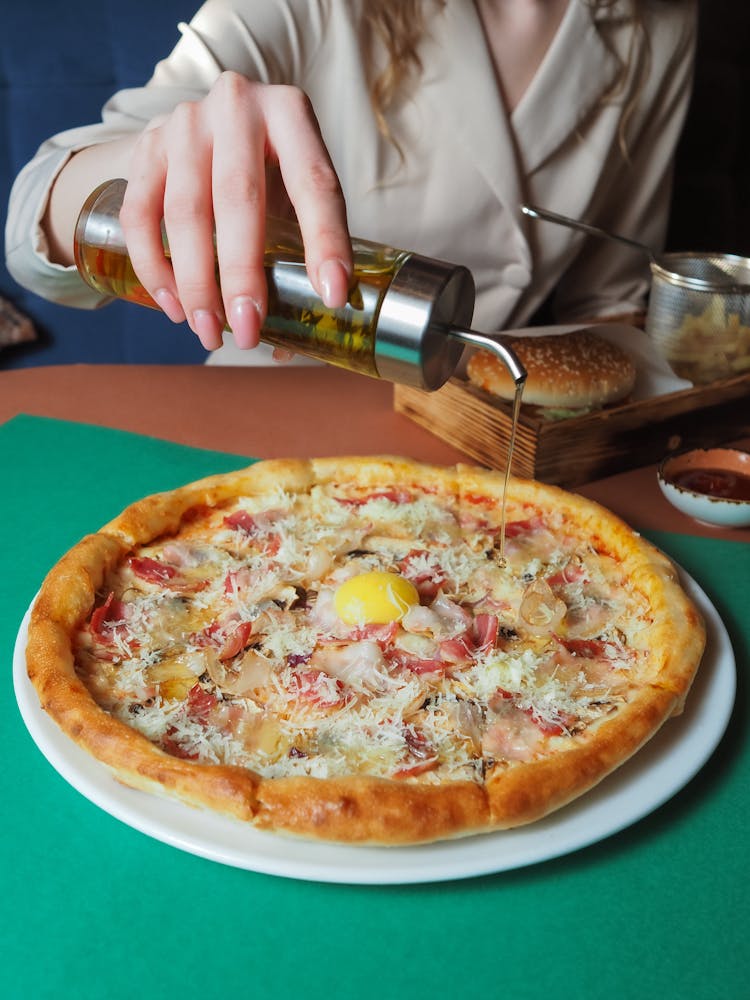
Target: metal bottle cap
[412, 342]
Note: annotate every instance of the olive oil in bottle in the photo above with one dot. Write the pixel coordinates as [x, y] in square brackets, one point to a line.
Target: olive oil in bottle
[405, 319]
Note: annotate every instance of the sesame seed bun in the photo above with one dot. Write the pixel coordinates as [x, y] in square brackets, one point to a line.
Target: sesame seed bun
[578, 370]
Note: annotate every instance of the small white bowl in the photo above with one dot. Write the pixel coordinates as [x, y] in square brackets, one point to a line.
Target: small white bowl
[694, 481]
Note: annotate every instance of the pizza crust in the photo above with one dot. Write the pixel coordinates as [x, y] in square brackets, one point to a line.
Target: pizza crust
[359, 809]
[523, 795]
[372, 811]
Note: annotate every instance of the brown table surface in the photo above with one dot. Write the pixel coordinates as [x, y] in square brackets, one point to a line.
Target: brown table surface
[276, 412]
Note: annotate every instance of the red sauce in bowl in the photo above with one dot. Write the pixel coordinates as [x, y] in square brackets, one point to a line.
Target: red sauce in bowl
[714, 483]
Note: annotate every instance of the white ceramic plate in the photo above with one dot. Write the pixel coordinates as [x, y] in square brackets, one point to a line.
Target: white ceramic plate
[641, 785]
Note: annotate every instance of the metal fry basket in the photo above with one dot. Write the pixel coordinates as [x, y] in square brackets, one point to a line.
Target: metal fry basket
[699, 314]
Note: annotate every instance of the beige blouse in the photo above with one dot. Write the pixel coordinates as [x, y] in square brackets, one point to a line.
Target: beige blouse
[468, 166]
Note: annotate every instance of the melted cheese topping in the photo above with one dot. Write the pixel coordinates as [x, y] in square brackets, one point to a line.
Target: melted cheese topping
[225, 643]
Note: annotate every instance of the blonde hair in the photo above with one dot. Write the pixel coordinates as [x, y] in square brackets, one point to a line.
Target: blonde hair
[637, 35]
[399, 25]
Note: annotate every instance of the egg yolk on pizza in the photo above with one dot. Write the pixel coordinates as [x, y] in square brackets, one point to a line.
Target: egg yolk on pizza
[374, 598]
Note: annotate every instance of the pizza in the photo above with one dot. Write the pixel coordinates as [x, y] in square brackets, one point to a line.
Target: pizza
[364, 650]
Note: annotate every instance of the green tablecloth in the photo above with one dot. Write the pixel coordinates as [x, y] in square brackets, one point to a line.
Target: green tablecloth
[92, 908]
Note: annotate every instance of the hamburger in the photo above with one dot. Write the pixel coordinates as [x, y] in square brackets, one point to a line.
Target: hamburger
[568, 374]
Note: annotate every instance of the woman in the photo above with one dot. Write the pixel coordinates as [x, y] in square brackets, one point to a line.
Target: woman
[424, 124]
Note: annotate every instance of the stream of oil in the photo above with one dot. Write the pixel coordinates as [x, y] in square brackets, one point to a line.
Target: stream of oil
[508, 467]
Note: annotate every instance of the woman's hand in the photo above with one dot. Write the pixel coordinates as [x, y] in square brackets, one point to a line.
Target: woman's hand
[203, 167]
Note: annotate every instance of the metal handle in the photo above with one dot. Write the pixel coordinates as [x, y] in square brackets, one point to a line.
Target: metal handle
[563, 220]
[494, 345]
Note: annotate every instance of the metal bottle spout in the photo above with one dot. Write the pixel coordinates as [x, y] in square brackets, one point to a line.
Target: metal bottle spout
[495, 345]
[422, 326]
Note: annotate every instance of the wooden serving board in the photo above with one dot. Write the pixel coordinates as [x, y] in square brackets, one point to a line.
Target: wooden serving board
[580, 449]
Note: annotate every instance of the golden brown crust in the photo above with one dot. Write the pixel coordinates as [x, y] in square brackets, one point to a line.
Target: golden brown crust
[524, 794]
[65, 599]
[362, 809]
[162, 513]
[574, 370]
[371, 810]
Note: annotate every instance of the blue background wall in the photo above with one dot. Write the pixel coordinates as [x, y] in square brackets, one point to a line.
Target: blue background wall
[59, 62]
[61, 59]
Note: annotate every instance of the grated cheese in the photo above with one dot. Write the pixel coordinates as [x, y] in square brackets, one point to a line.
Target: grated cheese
[337, 700]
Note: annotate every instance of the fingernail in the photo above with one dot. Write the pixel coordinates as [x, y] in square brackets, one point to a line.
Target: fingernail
[281, 355]
[207, 326]
[169, 304]
[244, 319]
[334, 283]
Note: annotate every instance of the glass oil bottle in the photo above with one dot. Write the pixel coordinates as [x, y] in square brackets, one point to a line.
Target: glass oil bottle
[405, 319]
